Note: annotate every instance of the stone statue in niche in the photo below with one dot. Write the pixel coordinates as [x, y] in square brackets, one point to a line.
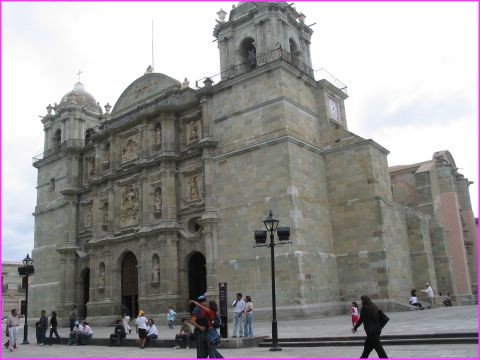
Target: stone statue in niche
[101, 279]
[88, 219]
[157, 202]
[193, 188]
[157, 135]
[129, 205]
[129, 151]
[105, 213]
[155, 270]
[106, 157]
[192, 131]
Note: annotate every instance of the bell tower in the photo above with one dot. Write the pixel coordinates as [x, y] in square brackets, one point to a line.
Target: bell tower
[256, 33]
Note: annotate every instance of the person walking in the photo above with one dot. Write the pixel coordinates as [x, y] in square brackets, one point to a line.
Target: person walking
[170, 316]
[72, 317]
[370, 318]
[355, 314]
[248, 329]
[125, 320]
[213, 338]
[200, 322]
[141, 328]
[53, 327]
[12, 329]
[238, 309]
[43, 326]
[431, 297]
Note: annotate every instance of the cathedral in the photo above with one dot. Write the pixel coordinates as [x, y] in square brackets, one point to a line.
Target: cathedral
[155, 200]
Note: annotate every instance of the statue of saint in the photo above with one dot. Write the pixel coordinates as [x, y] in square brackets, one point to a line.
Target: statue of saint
[158, 135]
[157, 202]
[101, 280]
[155, 270]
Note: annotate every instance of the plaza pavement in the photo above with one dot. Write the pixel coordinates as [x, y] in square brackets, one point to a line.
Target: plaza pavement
[439, 320]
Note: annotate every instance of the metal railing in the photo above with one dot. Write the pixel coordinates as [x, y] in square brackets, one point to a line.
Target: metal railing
[270, 57]
[71, 143]
[259, 61]
[325, 74]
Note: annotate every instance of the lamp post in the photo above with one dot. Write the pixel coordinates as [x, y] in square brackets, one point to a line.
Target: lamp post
[26, 270]
[271, 224]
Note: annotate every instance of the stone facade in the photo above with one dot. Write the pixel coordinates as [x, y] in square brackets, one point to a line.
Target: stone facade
[156, 202]
[13, 288]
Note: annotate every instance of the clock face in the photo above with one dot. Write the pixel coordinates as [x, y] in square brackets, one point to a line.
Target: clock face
[333, 109]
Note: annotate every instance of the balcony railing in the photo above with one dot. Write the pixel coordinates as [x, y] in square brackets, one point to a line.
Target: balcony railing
[71, 143]
[269, 57]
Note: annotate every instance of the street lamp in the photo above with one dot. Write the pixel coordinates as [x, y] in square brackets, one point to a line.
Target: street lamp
[271, 224]
[26, 270]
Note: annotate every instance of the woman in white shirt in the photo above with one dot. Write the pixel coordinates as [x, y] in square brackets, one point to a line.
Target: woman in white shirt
[152, 332]
[141, 328]
[248, 317]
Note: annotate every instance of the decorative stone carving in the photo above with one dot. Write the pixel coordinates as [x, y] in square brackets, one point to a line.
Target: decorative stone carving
[129, 150]
[128, 205]
[105, 213]
[101, 279]
[193, 131]
[106, 155]
[89, 167]
[157, 135]
[157, 202]
[193, 187]
[156, 269]
[88, 217]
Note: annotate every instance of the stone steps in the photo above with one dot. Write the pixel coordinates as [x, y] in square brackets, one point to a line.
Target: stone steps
[417, 339]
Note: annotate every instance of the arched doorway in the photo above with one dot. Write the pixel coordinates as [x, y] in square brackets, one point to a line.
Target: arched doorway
[130, 284]
[197, 276]
[86, 292]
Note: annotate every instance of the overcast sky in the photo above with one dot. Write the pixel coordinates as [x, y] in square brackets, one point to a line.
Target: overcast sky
[411, 71]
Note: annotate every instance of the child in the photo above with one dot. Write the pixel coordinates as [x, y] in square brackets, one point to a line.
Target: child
[170, 316]
[355, 314]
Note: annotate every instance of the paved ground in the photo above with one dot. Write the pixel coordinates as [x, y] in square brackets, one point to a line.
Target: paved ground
[439, 320]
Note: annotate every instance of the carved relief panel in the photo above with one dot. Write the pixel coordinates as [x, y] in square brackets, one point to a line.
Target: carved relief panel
[129, 149]
[86, 216]
[192, 187]
[193, 131]
[129, 205]
[88, 167]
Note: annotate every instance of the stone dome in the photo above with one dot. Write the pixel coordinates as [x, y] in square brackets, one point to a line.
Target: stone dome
[79, 97]
[144, 88]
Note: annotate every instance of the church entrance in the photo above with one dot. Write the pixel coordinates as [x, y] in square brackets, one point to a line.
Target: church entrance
[197, 276]
[130, 284]
[86, 292]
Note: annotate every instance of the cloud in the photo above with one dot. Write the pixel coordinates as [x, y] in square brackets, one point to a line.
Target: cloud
[417, 111]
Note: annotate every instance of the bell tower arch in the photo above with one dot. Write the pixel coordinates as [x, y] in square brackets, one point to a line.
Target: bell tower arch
[255, 30]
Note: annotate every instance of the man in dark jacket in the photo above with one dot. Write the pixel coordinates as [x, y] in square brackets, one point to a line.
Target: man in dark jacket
[369, 317]
[118, 334]
[43, 326]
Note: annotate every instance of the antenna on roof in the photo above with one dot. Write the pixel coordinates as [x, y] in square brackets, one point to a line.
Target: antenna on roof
[153, 63]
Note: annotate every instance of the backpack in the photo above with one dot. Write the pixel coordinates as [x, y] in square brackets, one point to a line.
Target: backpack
[217, 322]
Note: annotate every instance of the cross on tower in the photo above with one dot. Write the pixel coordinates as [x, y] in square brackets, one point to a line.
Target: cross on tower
[78, 74]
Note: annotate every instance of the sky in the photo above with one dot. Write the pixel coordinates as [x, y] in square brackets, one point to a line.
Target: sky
[411, 71]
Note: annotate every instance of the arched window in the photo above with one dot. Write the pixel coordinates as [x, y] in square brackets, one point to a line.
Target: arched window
[248, 53]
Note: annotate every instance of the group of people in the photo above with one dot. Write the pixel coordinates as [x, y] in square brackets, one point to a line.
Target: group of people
[430, 296]
[242, 316]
